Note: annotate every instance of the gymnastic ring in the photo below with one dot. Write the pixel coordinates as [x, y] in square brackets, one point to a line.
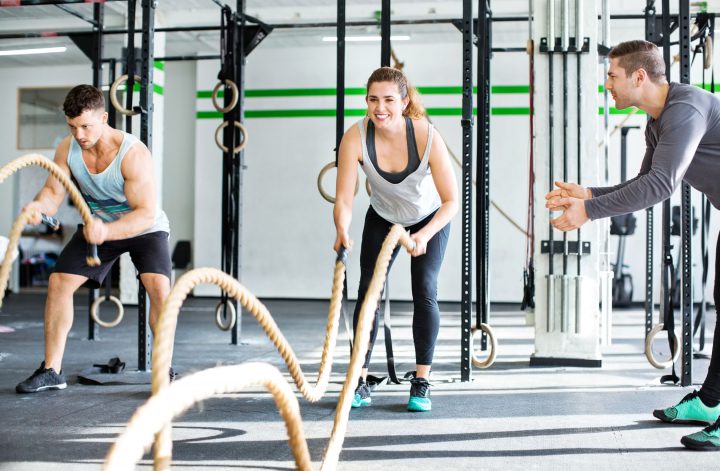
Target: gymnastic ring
[708, 53]
[234, 100]
[114, 99]
[238, 147]
[367, 187]
[477, 362]
[96, 305]
[651, 356]
[218, 315]
[321, 175]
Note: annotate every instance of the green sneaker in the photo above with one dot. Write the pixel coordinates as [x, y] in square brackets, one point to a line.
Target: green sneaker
[690, 410]
[419, 395]
[707, 439]
[362, 395]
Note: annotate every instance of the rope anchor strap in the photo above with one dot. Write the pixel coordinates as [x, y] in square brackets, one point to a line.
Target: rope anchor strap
[114, 99]
[243, 136]
[95, 311]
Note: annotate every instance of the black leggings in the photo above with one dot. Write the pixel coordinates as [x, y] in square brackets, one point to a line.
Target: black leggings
[424, 274]
[711, 387]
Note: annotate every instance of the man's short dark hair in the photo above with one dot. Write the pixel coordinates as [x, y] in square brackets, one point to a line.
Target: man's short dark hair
[639, 54]
[83, 98]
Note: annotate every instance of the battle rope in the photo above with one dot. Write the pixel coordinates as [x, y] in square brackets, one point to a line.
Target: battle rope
[168, 318]
[75, 196]
[162, 407]
[15, 233]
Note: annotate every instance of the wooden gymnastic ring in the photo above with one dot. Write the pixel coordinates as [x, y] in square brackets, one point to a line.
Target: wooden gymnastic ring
[321, 175]
[114, 99]
[243, 139]
[218, 315]
[96, 305]
[235, 95]
[651, 356]
[708, 53]
[477, 362]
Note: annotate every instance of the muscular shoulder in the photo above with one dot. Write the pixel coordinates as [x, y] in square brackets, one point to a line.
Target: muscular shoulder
[63, 149]
[137, 159]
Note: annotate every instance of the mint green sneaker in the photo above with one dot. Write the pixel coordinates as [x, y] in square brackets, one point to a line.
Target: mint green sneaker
[362, 395]
[708, 439]
[419, 395]
[690, 410]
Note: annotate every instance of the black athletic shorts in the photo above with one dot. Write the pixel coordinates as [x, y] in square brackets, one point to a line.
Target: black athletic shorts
[150, 253]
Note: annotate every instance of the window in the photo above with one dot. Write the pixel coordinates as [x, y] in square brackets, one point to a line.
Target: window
[41, 121]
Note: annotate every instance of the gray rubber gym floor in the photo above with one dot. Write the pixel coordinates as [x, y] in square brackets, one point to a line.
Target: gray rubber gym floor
[509, 417]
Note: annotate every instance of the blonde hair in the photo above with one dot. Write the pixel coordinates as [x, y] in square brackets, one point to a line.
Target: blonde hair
[415, 108]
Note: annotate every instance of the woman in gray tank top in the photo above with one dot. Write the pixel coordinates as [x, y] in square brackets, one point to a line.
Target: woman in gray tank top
[412, 183]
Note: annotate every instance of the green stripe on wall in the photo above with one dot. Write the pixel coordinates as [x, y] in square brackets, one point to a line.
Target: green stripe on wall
[298, 92]
[330, 113]
[157, 88]
[355, 91]
[160, 65]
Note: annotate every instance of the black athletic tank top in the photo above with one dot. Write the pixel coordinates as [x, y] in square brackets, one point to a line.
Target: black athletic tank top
[413, 155]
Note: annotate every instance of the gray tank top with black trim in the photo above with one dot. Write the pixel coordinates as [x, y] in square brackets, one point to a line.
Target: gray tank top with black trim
[104, 192]
[409, 201]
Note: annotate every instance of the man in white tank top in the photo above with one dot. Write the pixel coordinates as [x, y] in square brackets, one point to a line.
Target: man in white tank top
[115, 173]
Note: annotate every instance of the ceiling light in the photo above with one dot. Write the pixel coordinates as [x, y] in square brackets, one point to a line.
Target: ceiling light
[41, 50]
[364, 38]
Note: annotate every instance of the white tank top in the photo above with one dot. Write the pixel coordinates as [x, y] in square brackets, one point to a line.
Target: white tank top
[104, 192]
[407, 202]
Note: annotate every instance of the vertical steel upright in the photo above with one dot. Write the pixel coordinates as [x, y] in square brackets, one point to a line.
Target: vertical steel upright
[97, 49]
[385, 44]
[467, 177]
[482, 209]
[98, 11]
[666, 302]
[340, 79]
[686, 214]
[238, 162]
[652, 36]
[146, 104]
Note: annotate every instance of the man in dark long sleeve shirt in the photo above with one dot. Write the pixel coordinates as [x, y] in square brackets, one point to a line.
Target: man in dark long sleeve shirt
[683, 144]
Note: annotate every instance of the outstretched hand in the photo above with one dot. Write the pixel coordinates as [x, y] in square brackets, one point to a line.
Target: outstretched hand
[573, 216]
[565, 190]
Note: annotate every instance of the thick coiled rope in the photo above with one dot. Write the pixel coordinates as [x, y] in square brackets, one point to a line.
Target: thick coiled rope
[397, 235]
[42, 161]
[168, 317]
[15, 234]
[22, 220]
[162, 407]
[162, 347]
